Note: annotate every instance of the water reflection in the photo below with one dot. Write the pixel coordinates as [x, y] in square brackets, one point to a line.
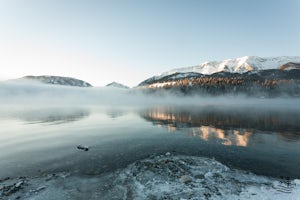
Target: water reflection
[227, 126]
[52, 116]
[115, 113]
[226, 137]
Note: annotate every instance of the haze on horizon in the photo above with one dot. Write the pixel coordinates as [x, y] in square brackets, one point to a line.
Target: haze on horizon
[29, 94]
[129, 41]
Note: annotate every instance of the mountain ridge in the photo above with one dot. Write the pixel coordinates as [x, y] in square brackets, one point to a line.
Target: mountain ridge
[236, 65]
[57, 80]
[256, 76]
[117, 85]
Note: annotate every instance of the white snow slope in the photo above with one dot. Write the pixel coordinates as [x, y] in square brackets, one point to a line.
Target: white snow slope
[237, 65]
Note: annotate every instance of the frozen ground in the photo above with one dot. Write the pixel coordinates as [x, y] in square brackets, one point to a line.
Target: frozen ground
[157, 177]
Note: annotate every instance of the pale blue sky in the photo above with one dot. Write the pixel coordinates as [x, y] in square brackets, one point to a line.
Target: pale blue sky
[128, 41]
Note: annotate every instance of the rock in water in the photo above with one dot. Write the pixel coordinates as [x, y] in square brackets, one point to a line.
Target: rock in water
[84, 148]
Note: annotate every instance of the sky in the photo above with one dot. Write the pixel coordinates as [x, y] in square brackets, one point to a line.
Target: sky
[128, 41]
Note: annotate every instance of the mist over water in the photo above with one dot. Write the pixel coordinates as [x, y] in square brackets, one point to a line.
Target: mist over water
[26, 93]
[137, 142]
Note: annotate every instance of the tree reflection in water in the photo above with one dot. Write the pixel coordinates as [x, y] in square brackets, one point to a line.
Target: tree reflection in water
[227, 126]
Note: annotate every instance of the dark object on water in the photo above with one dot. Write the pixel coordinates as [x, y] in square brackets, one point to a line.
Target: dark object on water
[81, 147]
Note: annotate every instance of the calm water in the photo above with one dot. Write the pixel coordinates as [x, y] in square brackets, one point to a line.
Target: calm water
[36, 142]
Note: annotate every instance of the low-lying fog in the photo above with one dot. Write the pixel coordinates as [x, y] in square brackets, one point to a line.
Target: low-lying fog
[33, 94]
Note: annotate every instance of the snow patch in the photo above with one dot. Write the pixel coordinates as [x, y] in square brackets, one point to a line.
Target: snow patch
[160, 85]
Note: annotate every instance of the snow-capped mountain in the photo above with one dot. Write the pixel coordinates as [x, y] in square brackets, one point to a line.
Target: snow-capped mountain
[247, 75]
[117, 85]
[58, 80]
[237, 65]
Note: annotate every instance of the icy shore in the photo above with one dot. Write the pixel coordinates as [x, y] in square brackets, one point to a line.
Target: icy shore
[157, 177]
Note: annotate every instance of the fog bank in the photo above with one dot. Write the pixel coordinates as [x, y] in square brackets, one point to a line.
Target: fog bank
[29, 94]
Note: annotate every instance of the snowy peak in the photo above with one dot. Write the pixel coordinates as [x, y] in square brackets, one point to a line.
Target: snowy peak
[117, 85]
[237, 65]
[58, 80]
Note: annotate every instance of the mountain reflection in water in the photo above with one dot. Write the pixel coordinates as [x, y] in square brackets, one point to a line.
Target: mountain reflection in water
[225, 125]
[227, 137]
[50, 116]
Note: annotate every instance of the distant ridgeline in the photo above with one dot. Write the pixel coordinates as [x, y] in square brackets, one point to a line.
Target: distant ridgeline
[58, 80]
[285, 80]
[117, 85]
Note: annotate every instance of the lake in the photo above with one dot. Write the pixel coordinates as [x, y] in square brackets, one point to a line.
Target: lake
[150, 152]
